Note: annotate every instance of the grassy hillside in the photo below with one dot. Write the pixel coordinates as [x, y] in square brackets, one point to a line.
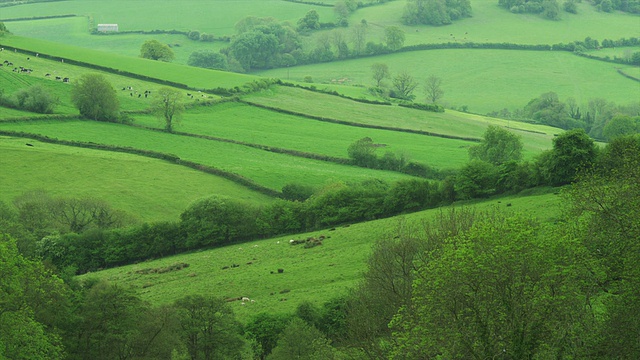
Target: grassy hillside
[484, 80]
[149, 189]
[317, 274]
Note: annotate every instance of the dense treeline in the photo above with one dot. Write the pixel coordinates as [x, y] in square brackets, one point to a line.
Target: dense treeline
[467, 284]
[600, 118]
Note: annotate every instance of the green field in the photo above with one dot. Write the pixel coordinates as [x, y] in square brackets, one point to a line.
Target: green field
[265, 168]
[317, 274]
[484, 80]
[149, 189]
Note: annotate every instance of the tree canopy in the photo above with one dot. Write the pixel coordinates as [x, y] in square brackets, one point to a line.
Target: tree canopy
[155, 50]
[95, 98]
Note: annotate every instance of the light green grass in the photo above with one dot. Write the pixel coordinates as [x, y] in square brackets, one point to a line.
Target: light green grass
[191, 76]
[535, 137]
[265, 168]
[317, 274]
[149, 189]
[491, 23]
[486, 80]
[258, 126]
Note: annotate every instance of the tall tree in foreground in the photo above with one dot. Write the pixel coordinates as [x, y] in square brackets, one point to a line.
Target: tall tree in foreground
[95, 98]
[502, 289]
[403, 86]
[167, 106]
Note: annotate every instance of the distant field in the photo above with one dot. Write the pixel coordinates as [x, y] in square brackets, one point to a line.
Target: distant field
[535, 137]
[317, 274]
[485, 80]
[150, 189]
[491, 23]
[265, 168]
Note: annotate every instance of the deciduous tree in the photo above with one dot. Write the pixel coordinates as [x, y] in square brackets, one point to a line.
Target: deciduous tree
[394, 37]
[379, 72]
[155, 50]
[403, 86]
[498, 146]
[433, 88]
[168, 106]
[95, 98]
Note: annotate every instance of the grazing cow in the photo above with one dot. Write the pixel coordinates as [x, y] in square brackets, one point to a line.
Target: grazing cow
[65, 80]
[225, 267]
[29, 144]
[131, 94]
[139, 95]
[124, 89]
[188, 94]
[47, 75]
[244, 298]
[58, 78]
[28, 59]
[280, 271]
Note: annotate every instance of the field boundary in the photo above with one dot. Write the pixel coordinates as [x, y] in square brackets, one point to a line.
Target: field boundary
[349, 123]
[627, 75]
[239, 179]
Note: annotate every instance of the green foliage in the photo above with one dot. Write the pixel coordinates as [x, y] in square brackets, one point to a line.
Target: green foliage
[500, 288]
[572, 151]
[433, 88]
[168, 106]
[95, 98]
[300, 340]
[435, 12]
[297, 192]
[363, 153]
[380, 72]
[208, 59]
[34, 98]
[155, 50]
[209, 328]
[498, 146]
[255, 49]
[217, 220]
[621, 125]
[476, 179]
[311, 21]
[403, 86]
[194, 35]
[394, 37]
[265, 329]
[570, 6]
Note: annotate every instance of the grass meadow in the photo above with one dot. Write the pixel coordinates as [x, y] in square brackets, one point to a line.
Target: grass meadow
[149, 189]
[484, 80]
[317, 274]
[265, 168]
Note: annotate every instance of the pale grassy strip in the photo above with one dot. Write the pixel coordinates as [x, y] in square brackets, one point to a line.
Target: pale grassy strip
[317, 274]
[265, 168]
[149, 189]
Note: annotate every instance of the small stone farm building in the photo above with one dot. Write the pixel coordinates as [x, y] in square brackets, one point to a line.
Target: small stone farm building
[108, 27]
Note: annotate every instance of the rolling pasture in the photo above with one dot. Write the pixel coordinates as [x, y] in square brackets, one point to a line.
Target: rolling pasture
[316, 274]
[149, 189]
[484, 80]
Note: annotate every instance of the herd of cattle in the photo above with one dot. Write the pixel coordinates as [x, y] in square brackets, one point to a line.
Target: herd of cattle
[26, 70]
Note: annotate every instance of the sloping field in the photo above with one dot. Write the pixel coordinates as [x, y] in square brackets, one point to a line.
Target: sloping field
[150, 189]
[265, 168]
[317, 274]
[188, 75]
[485, 80]
[255, 125]
[535, 137]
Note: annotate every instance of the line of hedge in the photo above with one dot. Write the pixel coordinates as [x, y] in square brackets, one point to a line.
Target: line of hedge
[349, 123]
[151, 154]
[333, 92]
[423, 107]
[39, 18]
[39, 118]
[316, 3]
[627, 75]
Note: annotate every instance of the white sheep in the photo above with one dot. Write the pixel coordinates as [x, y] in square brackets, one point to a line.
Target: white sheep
[244, 298]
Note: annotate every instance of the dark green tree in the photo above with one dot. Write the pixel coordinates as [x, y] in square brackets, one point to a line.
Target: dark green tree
[255, 49]
[498, 146]
[363, 153]
[208, 59]
[155, 50]
[95, 98]
[37, 99]
[621, 125]
[209, 328]
[572, 151]
[301, 341]
[311, 21]
[477, 179]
